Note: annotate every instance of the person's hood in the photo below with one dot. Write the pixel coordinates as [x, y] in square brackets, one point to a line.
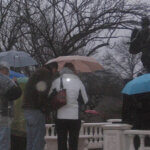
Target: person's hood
[66, 70]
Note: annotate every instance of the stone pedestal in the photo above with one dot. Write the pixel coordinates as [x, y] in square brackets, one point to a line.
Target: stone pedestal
[114, 136]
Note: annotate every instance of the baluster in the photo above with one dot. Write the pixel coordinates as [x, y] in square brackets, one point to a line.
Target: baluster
[131, 145]
[86, 130]
[97, 134]
[47, 130]
[53, 130]
[91, 130]
[100, 133]
[82, 130]
[142, 137]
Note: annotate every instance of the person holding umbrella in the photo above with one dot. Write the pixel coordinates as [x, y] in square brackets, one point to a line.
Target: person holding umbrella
[136, 104]
[9, 91]
[35, 105]
[68, 119]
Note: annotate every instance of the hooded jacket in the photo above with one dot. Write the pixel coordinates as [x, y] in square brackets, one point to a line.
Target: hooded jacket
[73, 86]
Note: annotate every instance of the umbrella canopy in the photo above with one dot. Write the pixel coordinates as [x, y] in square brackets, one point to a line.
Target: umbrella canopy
[81, 63]
[17, 58]
[104, 81]
[13, 74]
[138, 85]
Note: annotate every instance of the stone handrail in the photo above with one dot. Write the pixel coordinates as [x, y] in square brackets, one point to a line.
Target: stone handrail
[121, 137]
[93, 132]
[107, 135]
[129, 137]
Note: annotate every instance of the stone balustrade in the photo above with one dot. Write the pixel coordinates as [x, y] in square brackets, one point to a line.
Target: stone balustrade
[129, 138]
[90, 132]
[95, 131]
[109, 135]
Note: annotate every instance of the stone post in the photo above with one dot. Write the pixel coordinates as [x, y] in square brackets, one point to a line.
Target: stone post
[114, 138]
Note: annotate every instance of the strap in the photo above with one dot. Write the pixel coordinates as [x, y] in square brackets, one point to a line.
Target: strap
[61, 83]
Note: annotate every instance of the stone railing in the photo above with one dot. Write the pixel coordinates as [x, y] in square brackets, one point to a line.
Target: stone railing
[90, 132]
[108, 135]
[121, 137]
[129, 138]
[95, 133]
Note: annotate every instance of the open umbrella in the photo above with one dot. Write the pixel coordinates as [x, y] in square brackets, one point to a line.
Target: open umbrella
[17, 58]
[138, 85]
[104, 81]
[81, 63]
[136, 102]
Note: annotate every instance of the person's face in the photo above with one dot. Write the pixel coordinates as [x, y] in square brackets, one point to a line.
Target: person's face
[5, 72]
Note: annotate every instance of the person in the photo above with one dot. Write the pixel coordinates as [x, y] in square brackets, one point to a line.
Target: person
[140, 42]
[9, 91]
[68, 119]
[35, 105]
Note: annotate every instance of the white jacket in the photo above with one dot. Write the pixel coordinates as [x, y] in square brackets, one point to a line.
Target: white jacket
[73, 85]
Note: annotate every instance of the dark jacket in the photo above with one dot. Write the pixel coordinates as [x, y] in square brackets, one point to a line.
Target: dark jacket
[9, 91]
[36, 90]
[136, 110]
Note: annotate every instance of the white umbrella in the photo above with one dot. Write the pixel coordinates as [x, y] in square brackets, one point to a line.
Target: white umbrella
[17, 58]
[81, 63]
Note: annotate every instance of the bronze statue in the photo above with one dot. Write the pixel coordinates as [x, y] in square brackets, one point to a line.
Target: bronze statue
[140, 42]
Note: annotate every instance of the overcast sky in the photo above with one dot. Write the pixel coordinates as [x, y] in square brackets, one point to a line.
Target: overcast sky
[123, 34]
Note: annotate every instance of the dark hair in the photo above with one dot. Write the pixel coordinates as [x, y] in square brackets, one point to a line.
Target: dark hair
[52, 65]
[70, 66]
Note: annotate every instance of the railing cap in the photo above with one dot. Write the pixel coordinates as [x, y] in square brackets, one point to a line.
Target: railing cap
[49, 125]
[137, 132]
[114, 120]
[117, 127]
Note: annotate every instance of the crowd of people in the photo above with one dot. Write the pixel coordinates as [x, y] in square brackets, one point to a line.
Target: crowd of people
[39, 91]
[9, 91]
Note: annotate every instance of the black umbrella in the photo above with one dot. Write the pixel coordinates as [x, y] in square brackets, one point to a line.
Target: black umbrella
[102, 82]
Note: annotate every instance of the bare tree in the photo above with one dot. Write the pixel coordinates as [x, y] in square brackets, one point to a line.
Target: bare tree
[121, 62]
[10, 24]
[66, 27]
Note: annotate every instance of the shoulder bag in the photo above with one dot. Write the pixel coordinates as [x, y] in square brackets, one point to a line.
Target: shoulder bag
[59, 99]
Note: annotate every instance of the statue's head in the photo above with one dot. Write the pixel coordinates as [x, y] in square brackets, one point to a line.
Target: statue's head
[145, 21]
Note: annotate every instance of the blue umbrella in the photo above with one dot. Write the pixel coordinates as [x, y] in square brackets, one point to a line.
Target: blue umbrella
[138, 85]
[13, 74]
